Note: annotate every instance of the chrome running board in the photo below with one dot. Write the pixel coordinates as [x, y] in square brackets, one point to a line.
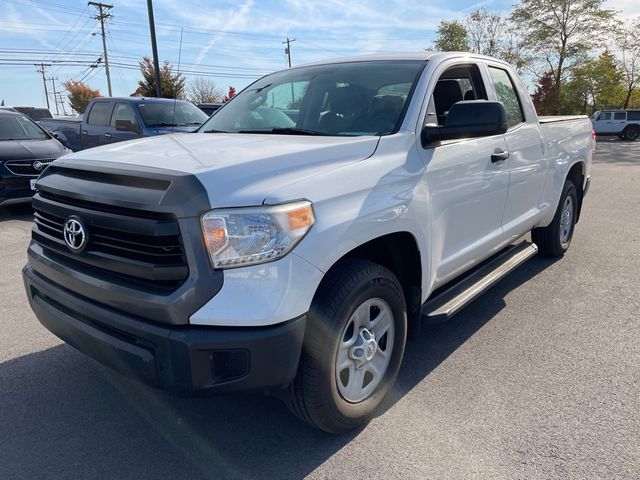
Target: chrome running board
[446, 304]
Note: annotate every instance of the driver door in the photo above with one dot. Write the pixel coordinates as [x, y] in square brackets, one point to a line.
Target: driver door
[467, 190]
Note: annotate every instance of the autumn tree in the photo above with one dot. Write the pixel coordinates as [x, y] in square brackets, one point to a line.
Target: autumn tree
[79, 95]
[204, 90]
[560, 31]
[230, 94]
[628, 42]
[545, 96]
[452, 37]
[172, 83]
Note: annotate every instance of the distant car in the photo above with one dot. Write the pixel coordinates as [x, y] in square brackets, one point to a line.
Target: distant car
[623, 123]
[26, 150]
[209, 108]
[111, 120]
[34, 113]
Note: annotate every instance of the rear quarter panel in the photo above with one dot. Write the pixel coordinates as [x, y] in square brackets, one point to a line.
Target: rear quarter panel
[568, 140]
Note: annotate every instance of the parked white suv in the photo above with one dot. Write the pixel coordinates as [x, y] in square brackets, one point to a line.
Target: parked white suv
[288, 244]
[623, 123]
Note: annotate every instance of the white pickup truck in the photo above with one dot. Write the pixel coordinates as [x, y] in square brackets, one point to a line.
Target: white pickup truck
[288, 244]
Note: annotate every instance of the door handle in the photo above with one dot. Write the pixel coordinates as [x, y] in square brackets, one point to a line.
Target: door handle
[499, 156]
[107, 135]
[83, 132]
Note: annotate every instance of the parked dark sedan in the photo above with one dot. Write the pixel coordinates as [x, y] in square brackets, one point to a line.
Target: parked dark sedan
[25, 151]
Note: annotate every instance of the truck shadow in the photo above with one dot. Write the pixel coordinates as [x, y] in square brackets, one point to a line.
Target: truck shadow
[18, 211]
[63, 414]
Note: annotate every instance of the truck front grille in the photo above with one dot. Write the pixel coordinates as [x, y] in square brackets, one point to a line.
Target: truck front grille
[134, 246]
[31, 168]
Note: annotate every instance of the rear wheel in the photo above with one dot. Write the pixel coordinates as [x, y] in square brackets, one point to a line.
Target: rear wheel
[631, 132]
[554, 240]
[353, 347]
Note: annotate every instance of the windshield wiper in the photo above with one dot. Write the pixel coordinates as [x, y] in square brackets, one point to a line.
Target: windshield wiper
[215, 131]
[287, 131]
[162, 125]
[189, 123]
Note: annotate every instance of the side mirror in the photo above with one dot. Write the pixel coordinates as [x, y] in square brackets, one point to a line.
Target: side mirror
[468, 119]
[125, 126]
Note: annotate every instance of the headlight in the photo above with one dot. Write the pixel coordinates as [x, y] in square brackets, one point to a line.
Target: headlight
[237, 237]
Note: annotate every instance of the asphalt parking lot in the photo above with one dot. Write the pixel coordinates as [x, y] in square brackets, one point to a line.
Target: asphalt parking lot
[539, 378]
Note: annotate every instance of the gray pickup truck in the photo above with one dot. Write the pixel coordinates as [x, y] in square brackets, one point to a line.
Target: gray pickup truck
[110, 120]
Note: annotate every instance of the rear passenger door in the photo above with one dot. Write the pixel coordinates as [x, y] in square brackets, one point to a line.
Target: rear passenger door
[96, 125]
[527, 162]
[467, 191]
[619, 121]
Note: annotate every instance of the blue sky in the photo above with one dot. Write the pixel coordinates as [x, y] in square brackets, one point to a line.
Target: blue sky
[229, 42]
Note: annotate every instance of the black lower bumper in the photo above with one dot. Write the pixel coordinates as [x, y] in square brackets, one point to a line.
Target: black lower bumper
[187, 360]
[14, 189]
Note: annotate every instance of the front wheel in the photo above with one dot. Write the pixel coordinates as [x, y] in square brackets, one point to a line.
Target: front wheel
[353, 347]
[554, 240]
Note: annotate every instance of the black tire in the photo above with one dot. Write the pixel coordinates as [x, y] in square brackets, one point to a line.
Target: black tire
[548, 239]
[315, 396]
[631, 133]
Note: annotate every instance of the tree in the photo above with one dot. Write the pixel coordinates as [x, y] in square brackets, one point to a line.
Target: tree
[598, 81]
[489, 33]
[172, 84]
[561, 30]
[484, 32]
[79, 95]
[628, 41]
[452, 37]
[230, 94]
[546, 96]
[203, 90]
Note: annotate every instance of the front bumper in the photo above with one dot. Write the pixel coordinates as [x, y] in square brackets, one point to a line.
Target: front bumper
[187, 360]
[15, 189]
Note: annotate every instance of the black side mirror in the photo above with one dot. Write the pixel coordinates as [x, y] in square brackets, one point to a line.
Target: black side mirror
[125, 126]
[469, 119]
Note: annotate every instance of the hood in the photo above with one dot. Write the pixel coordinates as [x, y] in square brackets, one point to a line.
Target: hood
[237, 169]
[30, 149]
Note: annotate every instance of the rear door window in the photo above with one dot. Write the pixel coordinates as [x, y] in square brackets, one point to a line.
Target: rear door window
[507, 94]
[620, 116]
[634, 115]
[100, 114]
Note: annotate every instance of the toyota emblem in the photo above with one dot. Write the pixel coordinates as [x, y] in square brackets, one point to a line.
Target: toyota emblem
[38, 165]
[75, 235]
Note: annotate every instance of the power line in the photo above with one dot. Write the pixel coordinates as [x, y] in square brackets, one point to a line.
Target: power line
[101, 17]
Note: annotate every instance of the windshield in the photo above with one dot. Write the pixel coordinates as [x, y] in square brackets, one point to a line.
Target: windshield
[161, 114]
[19, 127]
[348, 99]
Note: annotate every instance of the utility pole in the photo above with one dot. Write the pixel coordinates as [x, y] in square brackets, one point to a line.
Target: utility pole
[55, 95]
[154, 48]
[41, 68]
[64, 110]
[102, 16]
[287, 50]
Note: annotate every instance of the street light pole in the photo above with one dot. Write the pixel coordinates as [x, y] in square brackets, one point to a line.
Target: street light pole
[154, 48]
